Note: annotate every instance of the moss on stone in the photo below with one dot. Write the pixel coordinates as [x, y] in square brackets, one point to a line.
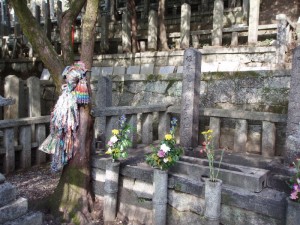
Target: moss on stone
[153, 77]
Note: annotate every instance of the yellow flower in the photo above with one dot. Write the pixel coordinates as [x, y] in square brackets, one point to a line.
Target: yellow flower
[168, 137]
[115, 131]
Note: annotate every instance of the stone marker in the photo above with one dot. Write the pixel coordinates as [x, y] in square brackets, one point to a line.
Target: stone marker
[189, 117]
[292, 150]
[152, 30]
[12, 90]
[185, 26]
[126, 32]
[217, 31]
[281, 46]
[253, 22]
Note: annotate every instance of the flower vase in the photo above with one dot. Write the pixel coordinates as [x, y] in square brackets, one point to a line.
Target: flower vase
[111, 190]
[213, 190]
[292, 212]
[160, 194]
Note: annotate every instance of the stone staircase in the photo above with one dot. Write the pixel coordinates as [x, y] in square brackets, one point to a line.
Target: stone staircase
[13, 210]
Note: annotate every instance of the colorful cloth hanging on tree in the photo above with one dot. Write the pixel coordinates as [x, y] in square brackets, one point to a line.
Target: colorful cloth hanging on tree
[65, 116]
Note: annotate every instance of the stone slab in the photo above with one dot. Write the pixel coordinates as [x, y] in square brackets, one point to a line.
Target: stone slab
[7, 193]
[147, 68]
[166, 69]
[119, 70]
[133, 69]
[31, 218]
[13, 210]
[248, 178]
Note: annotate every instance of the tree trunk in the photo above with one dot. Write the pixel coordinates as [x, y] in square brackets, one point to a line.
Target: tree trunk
[73, 193]
[39, 40]
[163, 41]
[134, 42]
[68, 19]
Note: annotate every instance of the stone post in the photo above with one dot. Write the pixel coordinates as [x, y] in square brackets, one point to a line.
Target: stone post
[160, 194]
[152, 30]
[126, 32]
[9, 146]
[111, 187]
[214, 124]
[268, 139]
[112, 10]
[38, 14]
[104, 30]
[147, 128]
[146, 8]
[25, 141]
[59, 13]
[217, 31]
[240, 136]
[189, 119]
[51, 9]
[281, 46]
[292, 149]
[12, 90]
[185, 26]
[47, 20]
[245, 11]
[253, 22]
[103, 99]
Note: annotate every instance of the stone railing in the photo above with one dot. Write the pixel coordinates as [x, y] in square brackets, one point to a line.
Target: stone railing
[109, 116]
[20, 139]
[242, 118]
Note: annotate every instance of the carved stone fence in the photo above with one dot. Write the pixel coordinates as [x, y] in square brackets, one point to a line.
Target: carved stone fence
[20, 139]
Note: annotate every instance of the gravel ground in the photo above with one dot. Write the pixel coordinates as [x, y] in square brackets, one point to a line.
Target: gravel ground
[37, 183]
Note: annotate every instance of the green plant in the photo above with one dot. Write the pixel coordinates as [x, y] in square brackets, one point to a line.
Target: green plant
[119, 141]
[209, 149]
[168, 152]
[294, 182]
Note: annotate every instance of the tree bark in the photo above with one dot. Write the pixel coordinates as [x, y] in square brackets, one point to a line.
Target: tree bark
[39, 41]
[163, 41]
[73, 193]
[68, 19]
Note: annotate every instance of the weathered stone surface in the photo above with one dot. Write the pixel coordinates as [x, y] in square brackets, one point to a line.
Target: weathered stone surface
[190, 98]
[217, 23]
[13, 210]
[147, 68]
[185, 20]
[152, 30]
[253, 21]
[133, 69]
[7, 193]
[31, 218]
[166, 69]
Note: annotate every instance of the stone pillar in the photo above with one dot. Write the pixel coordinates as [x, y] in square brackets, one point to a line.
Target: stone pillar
[217, 31]
[195, 41]
[240, 136]
[112, 10]
[126, 32]
[47, 21]
[268, 139]
[103, 99]
[152, 30]
[292, 150]
[147, 128]
[185, 26]
[38, 14]
[245, 11]
[163, 125]
[111, 191]
[25, 141]
[189, 117]
[132, 121]
[51, 7]
[214, 124]
[253, 22]
[34, 96]
[9, 146]
[281, 46]
[104, 46]
[59, 13]
[146, 9]
[160, 194]
[12, 90]
[234, 39]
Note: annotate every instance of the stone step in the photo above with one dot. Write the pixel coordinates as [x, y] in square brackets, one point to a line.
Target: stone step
[30, 218]
[7, 193]
[249, 178]
[13, 210]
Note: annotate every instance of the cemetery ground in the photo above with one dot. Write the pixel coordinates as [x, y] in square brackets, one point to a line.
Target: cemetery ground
[36, 184]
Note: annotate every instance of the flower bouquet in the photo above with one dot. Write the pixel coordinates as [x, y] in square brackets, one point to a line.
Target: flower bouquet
[168, 152]
[294, 182]
[119, 141]
[208, 148]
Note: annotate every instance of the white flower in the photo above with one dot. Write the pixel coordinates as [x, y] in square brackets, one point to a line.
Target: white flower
[165, 148]
[114, 139]
[166, 160]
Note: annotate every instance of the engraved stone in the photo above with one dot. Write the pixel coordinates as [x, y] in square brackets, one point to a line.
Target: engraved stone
[189, 120]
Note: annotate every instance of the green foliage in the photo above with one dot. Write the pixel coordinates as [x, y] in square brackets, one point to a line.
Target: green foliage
[168, 153]
[119, 141]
